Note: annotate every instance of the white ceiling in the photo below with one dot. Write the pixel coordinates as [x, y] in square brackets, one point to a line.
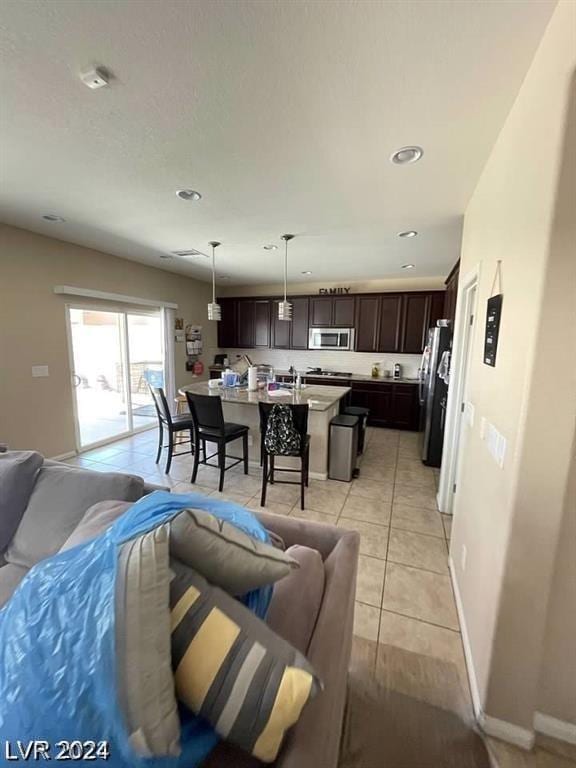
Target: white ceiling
[282, 113]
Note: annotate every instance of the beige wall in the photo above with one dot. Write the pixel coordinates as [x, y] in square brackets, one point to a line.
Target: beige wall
[364, 286]
[508, 519]
[37, 413]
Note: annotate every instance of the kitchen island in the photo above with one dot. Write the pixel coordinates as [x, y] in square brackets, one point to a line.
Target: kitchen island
[241, 407]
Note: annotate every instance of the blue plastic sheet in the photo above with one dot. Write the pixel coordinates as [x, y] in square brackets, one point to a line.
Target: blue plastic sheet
[57, 641]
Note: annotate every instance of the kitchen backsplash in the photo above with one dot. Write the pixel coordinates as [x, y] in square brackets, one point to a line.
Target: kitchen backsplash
[349, 362]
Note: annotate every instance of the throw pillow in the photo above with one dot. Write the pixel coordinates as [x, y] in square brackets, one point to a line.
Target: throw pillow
[18, 470]
[95, 521]
[224, 554]
[232, 670]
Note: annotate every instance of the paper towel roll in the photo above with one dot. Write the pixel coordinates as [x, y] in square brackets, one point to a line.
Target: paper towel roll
[252, 378]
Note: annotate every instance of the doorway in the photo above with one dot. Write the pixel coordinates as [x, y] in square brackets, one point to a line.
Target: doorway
[458, 407]
[114, 356]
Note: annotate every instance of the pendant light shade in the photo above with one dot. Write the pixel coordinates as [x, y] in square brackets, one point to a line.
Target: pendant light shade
[285, 307]
[214, 311]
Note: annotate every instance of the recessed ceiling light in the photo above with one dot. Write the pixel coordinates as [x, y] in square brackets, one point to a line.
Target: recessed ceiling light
[188, 194]
[409, 233]
[408, 266]
[53, 217]
[270, 247]
[407, 155]
[307, 272]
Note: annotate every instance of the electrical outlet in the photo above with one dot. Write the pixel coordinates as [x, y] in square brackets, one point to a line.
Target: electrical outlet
[463, 557]
[40, 371]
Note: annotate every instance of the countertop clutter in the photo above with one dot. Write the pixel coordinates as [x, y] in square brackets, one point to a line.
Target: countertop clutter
[319, 398]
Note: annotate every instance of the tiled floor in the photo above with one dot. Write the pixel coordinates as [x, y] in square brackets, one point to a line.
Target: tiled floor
[404, 602]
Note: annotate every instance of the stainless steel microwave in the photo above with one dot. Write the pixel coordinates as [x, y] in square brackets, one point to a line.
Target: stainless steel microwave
[331, 338]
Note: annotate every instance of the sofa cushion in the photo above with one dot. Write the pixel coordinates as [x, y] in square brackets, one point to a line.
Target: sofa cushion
[60, 498]
[224, 554]
[18, 470]
[297, 599]
[10, 577]
[95, 521]
[232, 670]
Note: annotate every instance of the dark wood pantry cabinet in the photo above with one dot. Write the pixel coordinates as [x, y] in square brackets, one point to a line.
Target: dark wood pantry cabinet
[332, 311]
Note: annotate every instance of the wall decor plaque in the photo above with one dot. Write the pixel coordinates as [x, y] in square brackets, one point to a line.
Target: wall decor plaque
[493, 315]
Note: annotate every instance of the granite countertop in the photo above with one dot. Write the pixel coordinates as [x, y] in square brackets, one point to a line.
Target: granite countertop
[319, 398]
[354, 377]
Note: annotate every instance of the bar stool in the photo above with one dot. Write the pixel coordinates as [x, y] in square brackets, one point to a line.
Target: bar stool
[209, 426]
[172, 424]
[300, 421]
[363, 414]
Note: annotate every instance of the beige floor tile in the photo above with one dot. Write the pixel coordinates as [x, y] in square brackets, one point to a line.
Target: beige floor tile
[415, 497]
[366, 621]
[377, 471]
[241, 484]
[189, 488]
[283, 494]
[158, 479]
[372, 489]
[417, 520]
[362, 660]
[419, 594]
[418, 550]
[370, 582]
[271, 506]
[420, 637]
[447, 522]
[311, 514]
[238, 498]
[334, 486]
[418, 478]
[329, 502]
[373, 538]
[375, 511]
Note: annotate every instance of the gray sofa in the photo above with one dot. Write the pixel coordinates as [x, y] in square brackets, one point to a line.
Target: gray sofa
[49, 501]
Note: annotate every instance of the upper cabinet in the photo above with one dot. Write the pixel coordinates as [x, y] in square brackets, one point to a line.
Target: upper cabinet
[384, 322]
[451, 293]
[332, 311]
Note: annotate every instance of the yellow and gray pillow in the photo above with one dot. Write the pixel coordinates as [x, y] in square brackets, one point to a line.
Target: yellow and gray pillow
[231, 669]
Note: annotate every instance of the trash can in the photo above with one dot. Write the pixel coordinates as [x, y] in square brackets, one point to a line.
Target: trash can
[343, 448]
[362, 413]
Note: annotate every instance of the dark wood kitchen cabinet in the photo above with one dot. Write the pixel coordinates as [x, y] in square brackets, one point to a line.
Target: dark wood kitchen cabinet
[391, 405]
[405, 406]
[332, 311]
[299, 331]
[389, 323]
[367, 320]
[262, 323]
[227, 327]
[451, 293]
[245, 323]
[421, 311]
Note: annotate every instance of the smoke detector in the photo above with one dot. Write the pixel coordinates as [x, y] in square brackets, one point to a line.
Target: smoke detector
[95, 78]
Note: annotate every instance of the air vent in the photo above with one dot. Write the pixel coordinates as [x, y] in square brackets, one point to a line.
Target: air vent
[191, 253]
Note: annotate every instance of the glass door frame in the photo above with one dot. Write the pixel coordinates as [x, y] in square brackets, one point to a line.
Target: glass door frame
[125, 355]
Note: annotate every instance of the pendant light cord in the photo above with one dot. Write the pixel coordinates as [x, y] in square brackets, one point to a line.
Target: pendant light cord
[213, 275]
[285, 268]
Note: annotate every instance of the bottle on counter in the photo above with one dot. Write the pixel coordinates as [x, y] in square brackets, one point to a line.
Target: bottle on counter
[375, 370]
[298, 381]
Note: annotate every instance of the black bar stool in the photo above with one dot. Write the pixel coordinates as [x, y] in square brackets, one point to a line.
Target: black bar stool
[300, 421]
[363, 414]
[172, 424]
[209, 426]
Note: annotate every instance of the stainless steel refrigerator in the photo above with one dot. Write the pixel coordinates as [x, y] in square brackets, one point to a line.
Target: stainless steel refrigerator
[433, 392]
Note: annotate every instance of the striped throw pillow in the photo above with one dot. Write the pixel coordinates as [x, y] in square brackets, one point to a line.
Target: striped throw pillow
[232, 670]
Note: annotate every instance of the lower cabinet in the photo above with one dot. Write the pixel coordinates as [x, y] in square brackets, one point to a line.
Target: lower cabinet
[391, 405]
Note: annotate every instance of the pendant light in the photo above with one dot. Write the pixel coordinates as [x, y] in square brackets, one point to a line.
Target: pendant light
[214, 311]
[284, 307]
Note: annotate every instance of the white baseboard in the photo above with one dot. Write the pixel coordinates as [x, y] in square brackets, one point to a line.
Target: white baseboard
[64, 456]
[505, 731]
[500, 729]
[474, 690]
[557, 729]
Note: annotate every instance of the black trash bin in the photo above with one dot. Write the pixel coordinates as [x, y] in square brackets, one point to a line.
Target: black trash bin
[362, 413]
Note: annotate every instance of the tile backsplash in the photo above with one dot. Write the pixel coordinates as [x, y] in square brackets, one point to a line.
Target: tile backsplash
[352, 362]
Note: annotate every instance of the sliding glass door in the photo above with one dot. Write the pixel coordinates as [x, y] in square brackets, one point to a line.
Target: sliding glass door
[115, 355]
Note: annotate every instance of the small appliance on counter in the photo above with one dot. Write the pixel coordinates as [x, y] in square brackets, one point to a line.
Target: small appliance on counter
[397, 371]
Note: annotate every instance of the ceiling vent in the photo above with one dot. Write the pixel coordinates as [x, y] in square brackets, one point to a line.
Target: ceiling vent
[190, 253]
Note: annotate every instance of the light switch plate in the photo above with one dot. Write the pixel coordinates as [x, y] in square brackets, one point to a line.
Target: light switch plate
[40, 371]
